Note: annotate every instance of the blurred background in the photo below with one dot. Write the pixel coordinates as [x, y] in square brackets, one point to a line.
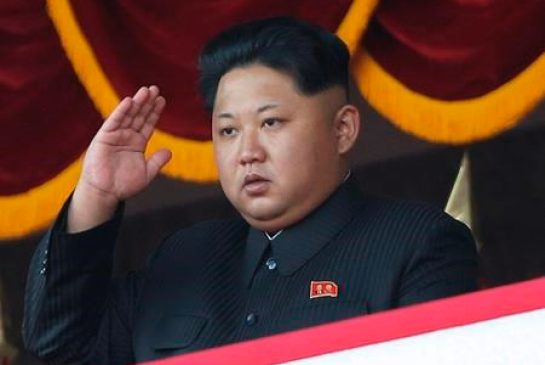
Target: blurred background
[451, 94]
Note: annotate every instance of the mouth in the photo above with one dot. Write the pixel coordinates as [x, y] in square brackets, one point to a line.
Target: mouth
[255, 184]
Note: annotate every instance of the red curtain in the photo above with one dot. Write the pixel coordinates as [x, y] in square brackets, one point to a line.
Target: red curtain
[448, 49]
[456, 49]
[140, 42]
[46, 117]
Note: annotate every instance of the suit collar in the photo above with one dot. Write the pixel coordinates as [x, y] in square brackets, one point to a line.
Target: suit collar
[256, 245]
[299, 243]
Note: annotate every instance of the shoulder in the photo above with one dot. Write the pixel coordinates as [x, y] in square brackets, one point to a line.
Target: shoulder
[205, 236]
[410, 221]
[392, 209]
[216, 228]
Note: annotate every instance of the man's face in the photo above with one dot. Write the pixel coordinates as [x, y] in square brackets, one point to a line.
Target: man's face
[276, 149]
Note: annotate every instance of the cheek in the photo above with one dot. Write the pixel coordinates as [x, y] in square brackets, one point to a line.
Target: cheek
[227, 179]
[224, 163]
[294, 156]
[308, 148]
[225, 155]
[285, 152]
[310, 160]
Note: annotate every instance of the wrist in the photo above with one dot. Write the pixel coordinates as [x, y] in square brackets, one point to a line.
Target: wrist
[94, 196]
[89, 208]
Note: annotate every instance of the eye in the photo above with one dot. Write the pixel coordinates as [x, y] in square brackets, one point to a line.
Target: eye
[228, 131]
[272, 122]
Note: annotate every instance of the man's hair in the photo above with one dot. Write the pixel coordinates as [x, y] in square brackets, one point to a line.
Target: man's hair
[315, 58]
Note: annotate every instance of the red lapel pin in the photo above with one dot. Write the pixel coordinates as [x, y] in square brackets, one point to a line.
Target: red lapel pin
[320, 289]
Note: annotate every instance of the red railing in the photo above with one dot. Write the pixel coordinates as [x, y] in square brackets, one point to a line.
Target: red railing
[370, 329]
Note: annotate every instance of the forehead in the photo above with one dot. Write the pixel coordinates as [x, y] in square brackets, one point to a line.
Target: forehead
[251, 86]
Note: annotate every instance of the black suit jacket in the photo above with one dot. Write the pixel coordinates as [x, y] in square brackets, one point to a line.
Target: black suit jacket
[210, 285]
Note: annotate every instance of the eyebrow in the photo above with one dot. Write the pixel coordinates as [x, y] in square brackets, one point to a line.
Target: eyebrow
[266, 107]
[261, 109]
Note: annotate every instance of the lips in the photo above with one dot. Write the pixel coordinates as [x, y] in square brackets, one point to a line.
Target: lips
[255, 184]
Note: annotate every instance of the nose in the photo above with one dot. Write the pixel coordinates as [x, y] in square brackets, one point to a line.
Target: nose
[251, 149]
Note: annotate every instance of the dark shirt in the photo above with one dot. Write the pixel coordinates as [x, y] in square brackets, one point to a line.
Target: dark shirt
[221, 281]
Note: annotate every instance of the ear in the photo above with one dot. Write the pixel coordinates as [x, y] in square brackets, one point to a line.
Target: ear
[347, 128]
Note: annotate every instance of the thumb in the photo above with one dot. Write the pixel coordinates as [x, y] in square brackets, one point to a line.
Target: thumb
[156, 162]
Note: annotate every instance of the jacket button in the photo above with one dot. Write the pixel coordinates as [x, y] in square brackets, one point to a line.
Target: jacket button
[251, 319]
[271, 263]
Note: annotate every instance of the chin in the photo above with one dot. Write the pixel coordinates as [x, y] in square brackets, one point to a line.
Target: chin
[262, 217]
[261, 207]
[261, 214]
[266, 225]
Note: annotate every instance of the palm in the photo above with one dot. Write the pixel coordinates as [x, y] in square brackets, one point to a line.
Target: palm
[115, 162]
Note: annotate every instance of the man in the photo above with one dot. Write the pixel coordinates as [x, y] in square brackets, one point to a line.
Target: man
[310, 248]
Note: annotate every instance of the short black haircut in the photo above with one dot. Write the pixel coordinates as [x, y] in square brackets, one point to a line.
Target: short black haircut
[315, 58]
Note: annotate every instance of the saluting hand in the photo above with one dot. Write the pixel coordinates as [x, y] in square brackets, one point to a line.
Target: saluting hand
[115, 167]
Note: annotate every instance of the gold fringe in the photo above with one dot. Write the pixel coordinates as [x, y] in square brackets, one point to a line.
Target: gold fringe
[451, 122]
[33, 210]
[192, 160]
[186, 153]
[82, 57]
[355, 22]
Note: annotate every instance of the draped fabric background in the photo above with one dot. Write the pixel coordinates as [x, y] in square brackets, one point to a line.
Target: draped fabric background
[466, 48]
[454, 71]
[446, 76]
[448, 71]
[67, 65]
[43, 106]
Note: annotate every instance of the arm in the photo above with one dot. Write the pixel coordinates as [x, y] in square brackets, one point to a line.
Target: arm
[74, 311]
[115, 168]
[73, 308]
[445, 265]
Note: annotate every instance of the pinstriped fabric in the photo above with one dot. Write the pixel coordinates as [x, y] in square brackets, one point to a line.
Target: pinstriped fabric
[210, 285]
[66, 281]
[207, 278]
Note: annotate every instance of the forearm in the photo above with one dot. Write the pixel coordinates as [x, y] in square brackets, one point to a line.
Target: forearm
[67, 292]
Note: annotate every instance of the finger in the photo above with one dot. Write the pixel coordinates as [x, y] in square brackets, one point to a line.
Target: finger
[116, 117]
[156, 161]
[155, 92]
[153, 118]
[137, 101]
[146, 109]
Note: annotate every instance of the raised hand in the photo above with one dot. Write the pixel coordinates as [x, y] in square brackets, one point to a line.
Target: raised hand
[115, 167]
